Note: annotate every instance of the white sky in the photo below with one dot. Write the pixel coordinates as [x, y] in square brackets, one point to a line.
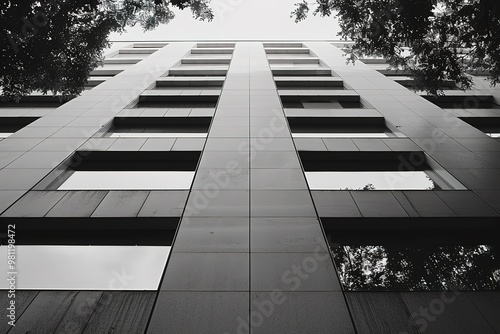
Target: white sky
[106, 180]
[86, 267]
[357, 180]
[240, 19]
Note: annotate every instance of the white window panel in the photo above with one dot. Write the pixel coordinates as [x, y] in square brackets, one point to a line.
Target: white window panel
[158, 135]
[5, 134]
[382, 180]
[87, 267]
[341, 135]
[494, 135]
[135, 180]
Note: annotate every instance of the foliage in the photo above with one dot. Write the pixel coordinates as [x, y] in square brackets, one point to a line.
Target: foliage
[369, 186]
[418, 268]
[435, 40]
[51, 46]
[151, 13]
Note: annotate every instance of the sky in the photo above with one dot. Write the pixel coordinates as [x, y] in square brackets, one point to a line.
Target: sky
[86, 267]
[240, 19]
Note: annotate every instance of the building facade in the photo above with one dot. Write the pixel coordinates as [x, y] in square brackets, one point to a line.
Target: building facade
[251, 187]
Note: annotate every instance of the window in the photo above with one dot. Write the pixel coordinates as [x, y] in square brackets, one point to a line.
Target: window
[10, 125]
[204, 50]
[295, 62]
[128, 180]
[186, 86]
[188, 101]
[35, 101]
[217, 60]
[160, 127]
[321, 102]
[123, 61]
[309, 83]
[88, 267]
[121, 170]
[362, 180]
[95, 81]
[374, 171]
[130, 56]
[153, 45]
[489, 125]
[189, 82]
[216, 45]
[373, 60]
[283, 45]
[157, 135]
[138, 50]
[464, 102]
[409, 82]
[339, 127]
[197, 70]
[342, 135]
[301, 70]
[287, 50]
[448, 259]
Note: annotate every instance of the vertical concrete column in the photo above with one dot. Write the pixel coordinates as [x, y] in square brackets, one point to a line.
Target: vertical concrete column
[294, 286]
[205, 288]
[250, 255]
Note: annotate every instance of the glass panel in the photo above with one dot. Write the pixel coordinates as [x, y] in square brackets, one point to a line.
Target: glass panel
[418, 180]
[203, 65]
[176, 104]
[322, 105]
[464, 104]
[341, 135]
[87, 267]
[418, 268]
[110, 180]
[158, 135]
[494, 135]
[191, 89]
[131, 55]
[296, 65]
[285, 55]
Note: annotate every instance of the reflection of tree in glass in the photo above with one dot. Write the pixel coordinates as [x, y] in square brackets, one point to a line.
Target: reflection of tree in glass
[418, 268]
[433, 185]
[369, 186]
